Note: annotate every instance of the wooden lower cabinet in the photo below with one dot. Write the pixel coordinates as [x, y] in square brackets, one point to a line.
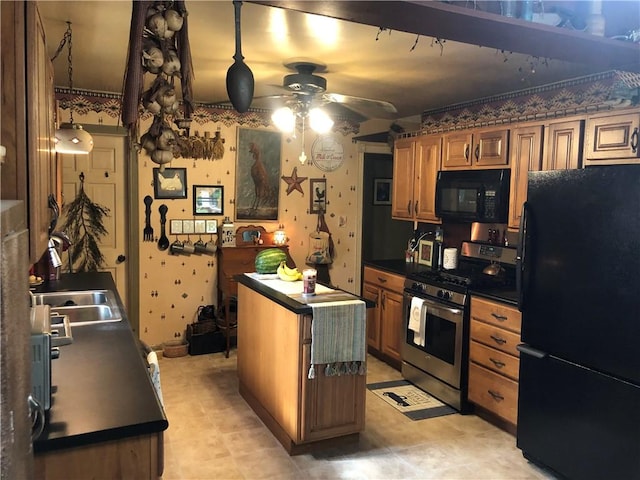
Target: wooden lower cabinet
[384, 322]
[493, 358]
[274, 354]
[139, 457]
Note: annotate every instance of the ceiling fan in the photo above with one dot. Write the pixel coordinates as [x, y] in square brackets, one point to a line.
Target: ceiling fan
[308, 91]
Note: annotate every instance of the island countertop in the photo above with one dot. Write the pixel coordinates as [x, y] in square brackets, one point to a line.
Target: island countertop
[298, 303]
[101, 388]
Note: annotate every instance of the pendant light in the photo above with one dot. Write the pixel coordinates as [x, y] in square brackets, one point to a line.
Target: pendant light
[71, 137]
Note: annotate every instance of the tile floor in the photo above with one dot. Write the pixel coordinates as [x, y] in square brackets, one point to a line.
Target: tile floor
[213, 434]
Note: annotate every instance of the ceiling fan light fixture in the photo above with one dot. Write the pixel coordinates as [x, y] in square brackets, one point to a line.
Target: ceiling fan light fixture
[73, 139]
[319, 121]
[284, 119]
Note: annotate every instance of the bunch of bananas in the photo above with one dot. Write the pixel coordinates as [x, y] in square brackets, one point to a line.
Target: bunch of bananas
[288, 274]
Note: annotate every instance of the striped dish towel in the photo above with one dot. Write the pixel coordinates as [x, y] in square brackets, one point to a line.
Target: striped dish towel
[338, 337]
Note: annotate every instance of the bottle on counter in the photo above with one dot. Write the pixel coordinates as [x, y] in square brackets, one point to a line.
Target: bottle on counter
[438, 248]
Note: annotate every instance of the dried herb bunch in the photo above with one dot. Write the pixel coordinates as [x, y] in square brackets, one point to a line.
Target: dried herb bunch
[84, 226]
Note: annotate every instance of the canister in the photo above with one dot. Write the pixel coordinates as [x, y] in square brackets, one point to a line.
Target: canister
[309, 281]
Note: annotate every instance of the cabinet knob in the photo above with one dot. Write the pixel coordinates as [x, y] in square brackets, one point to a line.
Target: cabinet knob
[477, 152]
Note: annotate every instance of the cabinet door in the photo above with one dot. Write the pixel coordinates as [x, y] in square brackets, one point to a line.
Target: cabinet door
[563, 147]
[371, 292]
[402, 194]
[612, 139]
[457, 151]
[391, 318]
[40, 148]
[525, 156]
[490, 148]
[428, 152]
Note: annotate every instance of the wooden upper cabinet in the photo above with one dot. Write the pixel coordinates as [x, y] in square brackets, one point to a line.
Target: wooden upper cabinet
[402, 191]
[416, 162]
[40, 128]
[476, 149]
[457, 151]
[525, 156]
[563, 145]
[490, 148]
[428, 152]
[612, 138]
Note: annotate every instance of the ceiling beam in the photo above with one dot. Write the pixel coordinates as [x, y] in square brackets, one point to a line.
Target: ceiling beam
[466, 25]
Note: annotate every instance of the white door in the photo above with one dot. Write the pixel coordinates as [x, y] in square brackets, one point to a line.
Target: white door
[105, 183]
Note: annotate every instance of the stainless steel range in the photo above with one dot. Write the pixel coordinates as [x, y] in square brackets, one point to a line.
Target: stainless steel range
[435, 350]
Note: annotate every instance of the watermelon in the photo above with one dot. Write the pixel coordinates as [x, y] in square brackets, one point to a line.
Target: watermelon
[267, 261]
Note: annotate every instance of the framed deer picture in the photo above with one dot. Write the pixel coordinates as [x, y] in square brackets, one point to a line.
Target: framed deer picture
[170, 183]
[257, 174]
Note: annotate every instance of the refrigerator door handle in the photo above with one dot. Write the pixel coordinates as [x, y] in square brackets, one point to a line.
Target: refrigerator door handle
[527, 350]
[520, 255]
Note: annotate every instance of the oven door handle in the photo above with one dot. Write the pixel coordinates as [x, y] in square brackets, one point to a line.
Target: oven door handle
[431, 305]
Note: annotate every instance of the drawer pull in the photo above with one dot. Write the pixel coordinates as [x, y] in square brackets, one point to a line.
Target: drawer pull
[502, 318]
[382, 280]
[498, 340]
[496, 396]
[497, 363]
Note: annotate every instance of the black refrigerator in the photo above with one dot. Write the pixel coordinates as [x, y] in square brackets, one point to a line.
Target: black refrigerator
[578, 279]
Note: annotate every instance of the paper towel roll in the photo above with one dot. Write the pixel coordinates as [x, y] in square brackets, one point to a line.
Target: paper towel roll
[450, 259]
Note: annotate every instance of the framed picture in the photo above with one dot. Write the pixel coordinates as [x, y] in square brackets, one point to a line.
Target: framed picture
[318, 197]
[171, 183]
[425, 252]
[382, 191]
[208, 199]
[257, 174]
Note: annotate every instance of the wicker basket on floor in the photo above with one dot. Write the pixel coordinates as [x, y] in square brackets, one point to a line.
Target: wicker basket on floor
[175, 348]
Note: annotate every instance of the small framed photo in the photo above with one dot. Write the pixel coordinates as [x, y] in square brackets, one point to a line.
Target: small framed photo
[208, 199]
[170, 183]
[425, 253]
[318, 197]
[382, 191]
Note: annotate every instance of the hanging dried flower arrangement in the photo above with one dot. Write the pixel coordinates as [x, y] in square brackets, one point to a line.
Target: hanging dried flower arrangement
[84, 226]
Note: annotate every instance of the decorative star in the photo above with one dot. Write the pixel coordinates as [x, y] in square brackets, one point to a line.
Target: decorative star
[294, 181]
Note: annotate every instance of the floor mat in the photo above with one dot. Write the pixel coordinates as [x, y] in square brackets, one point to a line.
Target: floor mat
[410, 400]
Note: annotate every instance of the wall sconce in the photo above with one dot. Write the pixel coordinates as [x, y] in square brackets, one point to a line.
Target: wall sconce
[70, 137]
[279, 236]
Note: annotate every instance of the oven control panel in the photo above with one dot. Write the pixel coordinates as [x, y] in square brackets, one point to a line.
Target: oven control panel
[424, 289]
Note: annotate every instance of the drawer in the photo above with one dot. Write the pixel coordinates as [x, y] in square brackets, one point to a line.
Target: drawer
[385, 280]
[495, 360]
[496, 313]
[495, 337]
[494, 392]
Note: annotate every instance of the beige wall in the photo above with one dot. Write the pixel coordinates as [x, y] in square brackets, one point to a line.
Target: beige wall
[172, 287]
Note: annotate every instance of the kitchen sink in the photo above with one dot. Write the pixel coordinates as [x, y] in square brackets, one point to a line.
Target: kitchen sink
[82, 307]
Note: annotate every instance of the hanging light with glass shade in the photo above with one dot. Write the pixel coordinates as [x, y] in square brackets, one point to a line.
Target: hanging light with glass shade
[71, 137]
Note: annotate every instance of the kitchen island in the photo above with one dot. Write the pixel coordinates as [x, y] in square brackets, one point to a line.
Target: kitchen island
[106, 420]
[274, 358]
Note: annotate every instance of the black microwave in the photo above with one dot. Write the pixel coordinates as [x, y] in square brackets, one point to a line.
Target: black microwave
[473, 195]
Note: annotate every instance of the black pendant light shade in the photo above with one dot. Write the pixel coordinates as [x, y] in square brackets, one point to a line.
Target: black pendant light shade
[239, 76]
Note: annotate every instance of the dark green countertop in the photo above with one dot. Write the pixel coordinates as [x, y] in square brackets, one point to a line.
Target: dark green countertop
[102, 390]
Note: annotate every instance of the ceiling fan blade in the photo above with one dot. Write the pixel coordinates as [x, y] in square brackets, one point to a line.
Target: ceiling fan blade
[367, 106]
